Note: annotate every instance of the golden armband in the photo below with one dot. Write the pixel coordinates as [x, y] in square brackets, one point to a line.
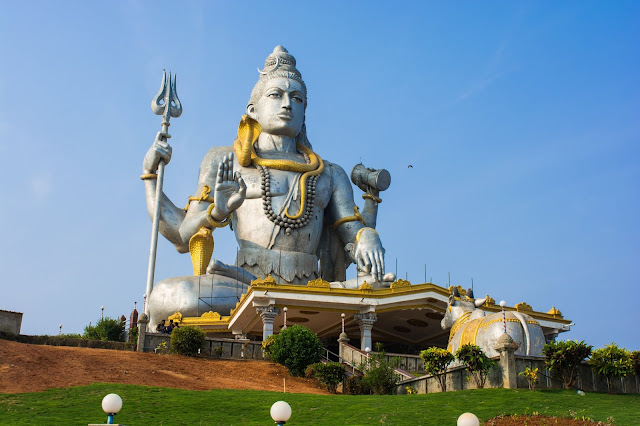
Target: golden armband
[203, 197]
[356, 216]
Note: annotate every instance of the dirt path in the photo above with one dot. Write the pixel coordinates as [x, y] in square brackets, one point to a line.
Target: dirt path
[32, 368]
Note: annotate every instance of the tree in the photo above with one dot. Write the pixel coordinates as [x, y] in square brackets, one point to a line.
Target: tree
[611, 362]
[531, 375]
[186, 340]
[296, 348]
[564, 357]
[477, 363]
[105, 329]
[436, 361]
[379, 377]
[635, 356]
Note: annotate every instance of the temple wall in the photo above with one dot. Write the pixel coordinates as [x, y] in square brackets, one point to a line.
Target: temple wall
[231, 348]
[587, 380]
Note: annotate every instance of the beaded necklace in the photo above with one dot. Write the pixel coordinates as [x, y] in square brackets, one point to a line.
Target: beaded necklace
[281, 219]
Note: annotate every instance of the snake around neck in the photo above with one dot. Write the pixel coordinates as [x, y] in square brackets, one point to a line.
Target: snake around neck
[248, 132]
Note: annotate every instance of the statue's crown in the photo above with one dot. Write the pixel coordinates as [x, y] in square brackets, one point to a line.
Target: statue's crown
[280, 60]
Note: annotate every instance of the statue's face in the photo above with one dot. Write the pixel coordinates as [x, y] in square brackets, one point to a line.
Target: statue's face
[280, 109]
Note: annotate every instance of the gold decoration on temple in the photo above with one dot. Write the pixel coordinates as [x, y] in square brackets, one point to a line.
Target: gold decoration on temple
[319, 282]
[201, 250]
[555, 312]
[365, 286]
[214, 316]
[523, 306]
[400, 283]
[177, 317]
[490, 300]
[267, 282]
[356, 216]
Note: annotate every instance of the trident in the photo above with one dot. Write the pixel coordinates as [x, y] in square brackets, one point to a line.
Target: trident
[166, 104]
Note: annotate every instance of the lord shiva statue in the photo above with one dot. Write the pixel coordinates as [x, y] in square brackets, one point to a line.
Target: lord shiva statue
[292, 212]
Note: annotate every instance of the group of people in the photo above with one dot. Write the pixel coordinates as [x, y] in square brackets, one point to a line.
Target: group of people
[163, 328]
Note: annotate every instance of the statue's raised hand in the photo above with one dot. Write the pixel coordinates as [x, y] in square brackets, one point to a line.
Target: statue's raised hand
[160, 150]
[229, 191]
[369, 254]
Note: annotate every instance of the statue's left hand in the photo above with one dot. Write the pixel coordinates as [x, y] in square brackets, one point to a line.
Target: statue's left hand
[369, 254]
[229, 191]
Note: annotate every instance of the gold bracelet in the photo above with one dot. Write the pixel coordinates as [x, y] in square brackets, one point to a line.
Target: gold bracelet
[215, 223]
[372, 197]
[360, 233]
[149, 176]
[356, 216]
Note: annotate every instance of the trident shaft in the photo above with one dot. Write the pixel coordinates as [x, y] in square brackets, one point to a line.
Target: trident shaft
[166, 104]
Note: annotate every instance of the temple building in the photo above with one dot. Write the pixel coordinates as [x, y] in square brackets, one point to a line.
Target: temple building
[404, 317]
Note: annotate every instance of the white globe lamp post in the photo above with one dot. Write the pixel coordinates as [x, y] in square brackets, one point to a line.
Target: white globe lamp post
[111, 404]
[280, 412]
[468, 419]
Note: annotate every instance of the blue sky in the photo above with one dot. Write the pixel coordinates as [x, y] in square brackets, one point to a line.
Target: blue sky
[521, 121]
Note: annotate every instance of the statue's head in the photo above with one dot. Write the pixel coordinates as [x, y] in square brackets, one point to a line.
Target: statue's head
[458, 306]
[279, 98]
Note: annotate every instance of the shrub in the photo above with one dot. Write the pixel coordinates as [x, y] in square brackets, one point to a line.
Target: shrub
[380, 377]
[296, 348]
[266, 345]
[186, 340]
[353, 385]
[105, 329]
[611, 362]
[133, 334]
[436, 361]
[563, 358]
[531, 375]
[69, 336]
[477, 363]
[330, 374]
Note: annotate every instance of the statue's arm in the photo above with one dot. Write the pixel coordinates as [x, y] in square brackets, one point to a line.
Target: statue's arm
[171, 217]
[366, 249]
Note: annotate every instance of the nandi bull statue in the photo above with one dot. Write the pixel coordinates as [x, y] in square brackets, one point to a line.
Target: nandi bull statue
[469, 324]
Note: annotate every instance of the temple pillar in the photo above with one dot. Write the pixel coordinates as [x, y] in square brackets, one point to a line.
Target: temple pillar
[143, 320]
[507, 349]
[366, 321]
[343, 339]
[268, 314]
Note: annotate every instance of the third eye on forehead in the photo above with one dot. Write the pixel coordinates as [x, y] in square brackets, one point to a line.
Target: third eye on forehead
[285, 84]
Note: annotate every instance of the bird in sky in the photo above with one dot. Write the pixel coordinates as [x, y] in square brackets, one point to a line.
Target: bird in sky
[409, 166]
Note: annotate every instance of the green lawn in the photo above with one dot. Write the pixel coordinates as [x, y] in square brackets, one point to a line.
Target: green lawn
[155, 406]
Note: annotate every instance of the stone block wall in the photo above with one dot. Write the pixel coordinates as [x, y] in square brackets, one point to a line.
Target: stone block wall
[231, 348]
[10, 322]
[586, 380]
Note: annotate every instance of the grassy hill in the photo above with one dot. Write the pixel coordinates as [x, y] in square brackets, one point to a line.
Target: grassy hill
[153, 406]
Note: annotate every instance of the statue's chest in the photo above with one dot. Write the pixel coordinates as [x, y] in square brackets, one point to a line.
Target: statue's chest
[281, 182]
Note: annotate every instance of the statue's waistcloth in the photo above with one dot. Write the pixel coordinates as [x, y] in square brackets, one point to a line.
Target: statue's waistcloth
[292, 267]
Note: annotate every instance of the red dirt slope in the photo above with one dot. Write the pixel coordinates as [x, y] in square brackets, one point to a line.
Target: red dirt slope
[32, 368]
